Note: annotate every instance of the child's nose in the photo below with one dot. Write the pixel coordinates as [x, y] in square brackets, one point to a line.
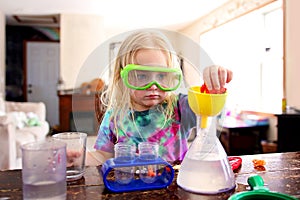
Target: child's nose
[153, 87]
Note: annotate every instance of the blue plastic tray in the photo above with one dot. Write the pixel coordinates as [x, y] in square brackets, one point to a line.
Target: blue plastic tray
[163, 179]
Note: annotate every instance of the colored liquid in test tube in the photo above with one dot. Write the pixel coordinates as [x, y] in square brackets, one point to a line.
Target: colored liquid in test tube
[124, 153]
[148, 151]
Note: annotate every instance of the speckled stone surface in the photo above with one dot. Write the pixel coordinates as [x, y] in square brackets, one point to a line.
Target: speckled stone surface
[281, 174]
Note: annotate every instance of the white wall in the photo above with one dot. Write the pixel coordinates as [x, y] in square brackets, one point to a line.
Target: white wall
[80, 35]
[2, 55]
[292, 52]
[97, 63]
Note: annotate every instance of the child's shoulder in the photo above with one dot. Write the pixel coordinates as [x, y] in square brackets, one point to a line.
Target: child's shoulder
[181, 97]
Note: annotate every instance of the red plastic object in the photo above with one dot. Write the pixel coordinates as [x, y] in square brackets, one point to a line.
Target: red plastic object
[235, 162]
[204, 89]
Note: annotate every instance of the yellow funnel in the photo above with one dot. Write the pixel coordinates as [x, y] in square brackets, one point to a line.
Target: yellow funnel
[205, 104]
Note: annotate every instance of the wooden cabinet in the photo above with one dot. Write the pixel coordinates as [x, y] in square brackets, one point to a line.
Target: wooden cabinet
[240, 136]
[243, 140]
[77, 113]
[288, 131]
[65, 108]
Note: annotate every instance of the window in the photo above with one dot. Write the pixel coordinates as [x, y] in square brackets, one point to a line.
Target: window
[252, 46]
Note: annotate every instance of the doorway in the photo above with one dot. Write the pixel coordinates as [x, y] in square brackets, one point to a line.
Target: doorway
[41, 74]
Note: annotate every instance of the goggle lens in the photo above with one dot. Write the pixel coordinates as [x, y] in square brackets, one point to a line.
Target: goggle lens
[143, 77]
[140, 78]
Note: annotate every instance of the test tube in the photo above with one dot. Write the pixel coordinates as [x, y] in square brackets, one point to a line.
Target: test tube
[148, 151]
[124, 153]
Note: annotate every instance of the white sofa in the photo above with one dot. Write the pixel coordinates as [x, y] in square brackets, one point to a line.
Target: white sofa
[12, 136]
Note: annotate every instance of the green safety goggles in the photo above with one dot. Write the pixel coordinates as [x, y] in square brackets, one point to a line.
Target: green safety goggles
[140, 77]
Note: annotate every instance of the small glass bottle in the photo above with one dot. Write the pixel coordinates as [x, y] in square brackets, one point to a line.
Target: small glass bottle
[124, 153]
[283, 105]
[148, 151]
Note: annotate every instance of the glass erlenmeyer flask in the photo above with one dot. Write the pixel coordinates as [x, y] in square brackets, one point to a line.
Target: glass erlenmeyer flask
[205, 168]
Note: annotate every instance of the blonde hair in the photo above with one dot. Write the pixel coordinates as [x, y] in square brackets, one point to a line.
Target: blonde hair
[117, 96]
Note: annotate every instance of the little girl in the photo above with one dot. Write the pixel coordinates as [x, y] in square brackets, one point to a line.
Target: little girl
[140, 99]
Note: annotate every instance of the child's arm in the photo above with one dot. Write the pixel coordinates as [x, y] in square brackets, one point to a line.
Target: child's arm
[98, 157]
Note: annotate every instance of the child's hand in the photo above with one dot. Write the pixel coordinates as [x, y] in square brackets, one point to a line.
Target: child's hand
[215, 78]
[72, 156]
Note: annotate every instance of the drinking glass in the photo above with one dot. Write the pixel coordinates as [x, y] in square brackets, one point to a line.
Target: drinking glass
[76, 152]
[44, 170]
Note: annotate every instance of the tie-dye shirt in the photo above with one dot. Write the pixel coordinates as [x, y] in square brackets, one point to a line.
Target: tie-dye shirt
[150, 125]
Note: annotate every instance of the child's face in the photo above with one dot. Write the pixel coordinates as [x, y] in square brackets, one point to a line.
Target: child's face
[145, 99]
